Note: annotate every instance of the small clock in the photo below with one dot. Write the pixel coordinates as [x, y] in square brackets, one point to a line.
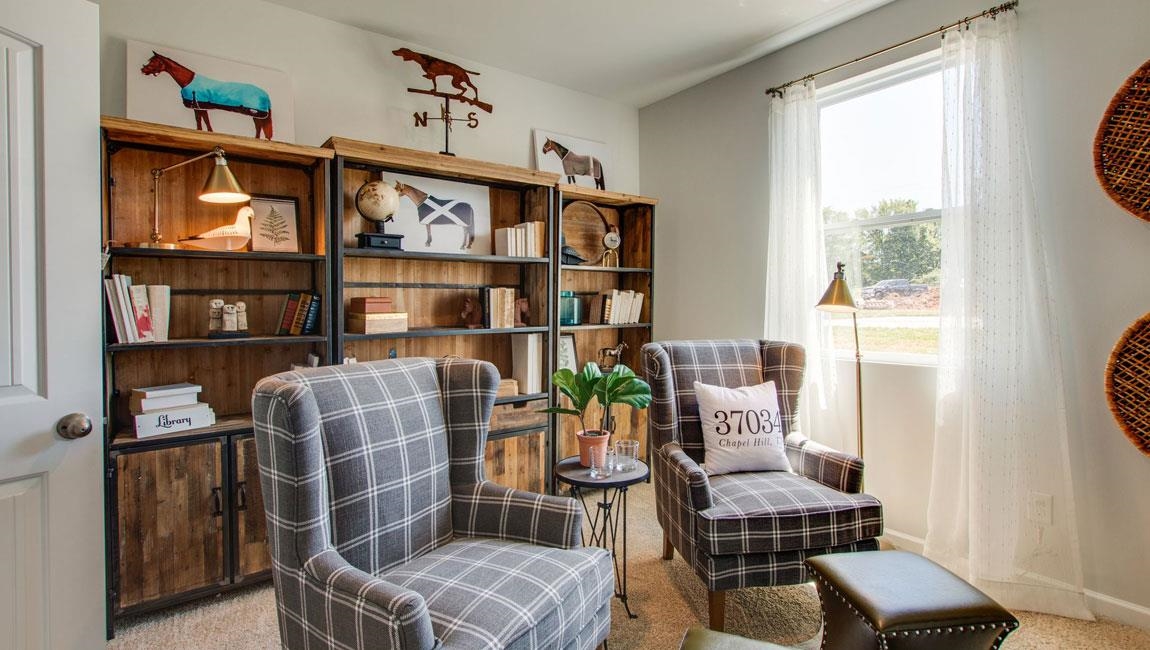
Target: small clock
[612, 239]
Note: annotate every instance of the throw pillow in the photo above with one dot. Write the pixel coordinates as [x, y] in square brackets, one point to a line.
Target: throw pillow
[742, 428]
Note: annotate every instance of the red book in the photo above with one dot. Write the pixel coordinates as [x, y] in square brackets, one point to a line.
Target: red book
[288, 315]
[141, 311]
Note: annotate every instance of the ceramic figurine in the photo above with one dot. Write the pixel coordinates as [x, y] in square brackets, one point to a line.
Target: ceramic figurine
[229, 318]
[241, 316]
[522, 312]
[215, 315]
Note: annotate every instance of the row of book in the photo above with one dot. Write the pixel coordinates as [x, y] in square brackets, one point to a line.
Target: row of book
[499, 309]
[300, 314]
[374, 315]
[615, 307]
[528, 239]
[157, 410]
[139, 312]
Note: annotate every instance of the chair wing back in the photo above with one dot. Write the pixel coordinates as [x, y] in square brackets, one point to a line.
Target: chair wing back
[354, 458]
[672, 367]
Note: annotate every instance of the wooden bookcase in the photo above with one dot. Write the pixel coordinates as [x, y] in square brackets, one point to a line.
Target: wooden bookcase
[432, 286]
[583, 229]
[184, 512]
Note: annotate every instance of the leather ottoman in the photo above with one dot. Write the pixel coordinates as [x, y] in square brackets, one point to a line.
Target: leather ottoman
[895, 600]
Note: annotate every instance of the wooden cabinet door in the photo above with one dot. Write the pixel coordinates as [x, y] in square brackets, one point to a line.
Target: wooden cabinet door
[171, 523]
[251, 551]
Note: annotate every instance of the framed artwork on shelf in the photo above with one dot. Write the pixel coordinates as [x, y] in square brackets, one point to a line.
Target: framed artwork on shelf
[579, 161]
[567, 355]
[275, 224]
[200, 91]
[441, 216]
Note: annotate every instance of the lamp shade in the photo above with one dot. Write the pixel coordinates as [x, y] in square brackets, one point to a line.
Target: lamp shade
[222, 186]
[838, 295]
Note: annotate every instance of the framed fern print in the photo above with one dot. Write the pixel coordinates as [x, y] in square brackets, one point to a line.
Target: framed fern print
[275, 224]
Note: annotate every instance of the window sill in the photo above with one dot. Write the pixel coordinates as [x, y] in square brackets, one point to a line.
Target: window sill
[891, 358]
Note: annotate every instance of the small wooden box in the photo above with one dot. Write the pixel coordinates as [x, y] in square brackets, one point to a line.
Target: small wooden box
[358, 323]
[507, 388]
[508, 417]
[370, 305]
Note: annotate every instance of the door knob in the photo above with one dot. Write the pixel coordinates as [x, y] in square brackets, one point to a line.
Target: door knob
[74, 425]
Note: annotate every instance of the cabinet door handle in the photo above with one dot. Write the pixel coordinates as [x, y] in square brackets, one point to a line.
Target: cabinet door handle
[217, 503]
[242, 496]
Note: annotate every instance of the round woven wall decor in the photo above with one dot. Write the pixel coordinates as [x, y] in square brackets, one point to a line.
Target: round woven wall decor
[1122, 145]
[1128, 383]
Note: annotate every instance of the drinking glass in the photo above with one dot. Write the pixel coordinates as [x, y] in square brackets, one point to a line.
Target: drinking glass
[602, 464]
[626, 454]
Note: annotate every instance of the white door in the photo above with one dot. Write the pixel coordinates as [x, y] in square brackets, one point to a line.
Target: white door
[51, 488]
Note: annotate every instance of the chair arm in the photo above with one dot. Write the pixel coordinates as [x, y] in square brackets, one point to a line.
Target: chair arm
[488, 509]
[362, 606]
[693, 483]
[834, 469]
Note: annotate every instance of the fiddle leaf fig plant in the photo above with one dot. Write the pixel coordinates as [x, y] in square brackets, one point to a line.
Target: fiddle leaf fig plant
[620, 386]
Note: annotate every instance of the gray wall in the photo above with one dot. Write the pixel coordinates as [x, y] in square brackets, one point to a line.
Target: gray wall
[348, 83]
[704, 151]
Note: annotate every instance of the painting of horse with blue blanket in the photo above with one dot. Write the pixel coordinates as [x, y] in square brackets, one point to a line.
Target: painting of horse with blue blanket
[202, 94]
[435, 211]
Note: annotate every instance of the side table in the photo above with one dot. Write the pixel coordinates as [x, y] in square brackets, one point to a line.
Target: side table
[606, 518]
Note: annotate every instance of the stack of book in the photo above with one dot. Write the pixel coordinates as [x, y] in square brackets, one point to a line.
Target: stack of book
[374, 315]
[615, 307]
[300, 314]
[498, 307]
[167, 409]
[139, 311]
[527, 239]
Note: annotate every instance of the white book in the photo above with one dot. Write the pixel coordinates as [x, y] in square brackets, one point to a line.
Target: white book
[616, 306]
[138, 404]
[123, 297]
[167, 390]
[112, 295]
[175, 419]
[500, 238]
[160, 299]
[528, 238]
[520, 242]
[636, 307]
[628, 298]
[527, 362]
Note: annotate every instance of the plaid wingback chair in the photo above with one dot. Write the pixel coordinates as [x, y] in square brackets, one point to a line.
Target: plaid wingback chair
[749, 529]
[384, 532]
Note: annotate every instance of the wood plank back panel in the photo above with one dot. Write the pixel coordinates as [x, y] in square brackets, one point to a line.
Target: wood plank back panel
[494, 348]
[169, 540]
[518, 462]
[252, 554]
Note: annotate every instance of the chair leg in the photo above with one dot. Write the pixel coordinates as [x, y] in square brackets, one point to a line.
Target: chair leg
[668, 548]
[717, 609]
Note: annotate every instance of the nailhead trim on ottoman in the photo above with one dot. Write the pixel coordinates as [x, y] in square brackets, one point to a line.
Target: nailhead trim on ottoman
[901, 601]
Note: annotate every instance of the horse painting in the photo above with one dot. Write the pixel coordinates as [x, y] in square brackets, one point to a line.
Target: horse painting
[202, 94]
[577, 165]
[434, 211]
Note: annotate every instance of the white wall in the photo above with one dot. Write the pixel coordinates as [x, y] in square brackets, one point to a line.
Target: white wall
[704, 154]
[348, 83]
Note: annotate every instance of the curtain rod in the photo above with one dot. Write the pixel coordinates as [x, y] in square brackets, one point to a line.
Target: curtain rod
[989, 13]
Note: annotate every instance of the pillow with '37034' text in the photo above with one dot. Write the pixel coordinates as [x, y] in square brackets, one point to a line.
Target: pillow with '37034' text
[742, 428]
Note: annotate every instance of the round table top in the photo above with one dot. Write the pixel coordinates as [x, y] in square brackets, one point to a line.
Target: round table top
[571, 472]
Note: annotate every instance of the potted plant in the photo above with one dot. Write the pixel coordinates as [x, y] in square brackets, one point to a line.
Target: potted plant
[620, 386]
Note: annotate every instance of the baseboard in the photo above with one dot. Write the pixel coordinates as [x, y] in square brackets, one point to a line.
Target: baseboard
[1115, 609]
[903, 541]
[1119, 610]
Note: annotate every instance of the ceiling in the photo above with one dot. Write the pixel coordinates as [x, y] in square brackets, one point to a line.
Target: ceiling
[632, 51]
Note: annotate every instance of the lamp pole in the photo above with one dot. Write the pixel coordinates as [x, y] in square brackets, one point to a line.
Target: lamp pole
[837, 299]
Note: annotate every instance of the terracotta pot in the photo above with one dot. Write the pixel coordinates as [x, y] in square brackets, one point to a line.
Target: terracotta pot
[592, 444]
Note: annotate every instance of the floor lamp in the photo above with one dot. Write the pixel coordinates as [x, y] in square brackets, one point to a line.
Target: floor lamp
[837, 299]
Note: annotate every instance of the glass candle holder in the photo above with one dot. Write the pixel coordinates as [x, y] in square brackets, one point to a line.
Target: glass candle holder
[570, 308]
[626, 454]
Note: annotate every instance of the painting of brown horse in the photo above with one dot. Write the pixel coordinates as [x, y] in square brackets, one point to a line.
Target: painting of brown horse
[201, 94]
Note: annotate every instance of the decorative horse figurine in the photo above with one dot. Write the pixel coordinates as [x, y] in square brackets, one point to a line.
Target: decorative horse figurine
[435, 211]
[577, 165]
[202, 94]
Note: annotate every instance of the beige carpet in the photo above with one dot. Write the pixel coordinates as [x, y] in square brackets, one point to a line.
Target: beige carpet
[666, 596]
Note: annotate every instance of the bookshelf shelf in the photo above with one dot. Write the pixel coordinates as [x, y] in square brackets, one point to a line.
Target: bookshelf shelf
[606, 269]
[442, 257]
[602, 326]
[211, 343]
[123, 438]
[519, 399]
[182, 253]
[424, 332]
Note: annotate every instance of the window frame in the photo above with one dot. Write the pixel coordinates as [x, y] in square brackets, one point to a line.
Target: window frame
[856, 86]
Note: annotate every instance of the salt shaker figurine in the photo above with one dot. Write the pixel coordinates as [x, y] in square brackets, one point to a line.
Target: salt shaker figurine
[229, 318]
[215, 315]
[241, 316]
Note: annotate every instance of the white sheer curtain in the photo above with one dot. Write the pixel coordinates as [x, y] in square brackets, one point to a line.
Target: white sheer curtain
[796, 259]
[1000, 440]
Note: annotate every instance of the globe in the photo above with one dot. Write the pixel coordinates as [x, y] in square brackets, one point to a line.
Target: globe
[377, 201]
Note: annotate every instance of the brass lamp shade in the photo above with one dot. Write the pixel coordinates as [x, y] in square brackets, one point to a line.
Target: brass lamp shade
[222, 186]
[838, 295]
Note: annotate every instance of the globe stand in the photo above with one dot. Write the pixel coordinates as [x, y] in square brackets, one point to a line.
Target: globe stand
[380, 239]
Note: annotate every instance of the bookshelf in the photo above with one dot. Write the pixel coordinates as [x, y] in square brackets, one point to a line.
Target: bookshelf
[184, 516]
[432, 285]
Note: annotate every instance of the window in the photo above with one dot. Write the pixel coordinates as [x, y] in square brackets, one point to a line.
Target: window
[881, 139]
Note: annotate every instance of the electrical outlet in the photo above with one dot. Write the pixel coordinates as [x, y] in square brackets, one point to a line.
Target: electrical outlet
[1040, 509]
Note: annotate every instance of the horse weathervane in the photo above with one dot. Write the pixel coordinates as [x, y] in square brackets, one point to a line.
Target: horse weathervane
[460, 80]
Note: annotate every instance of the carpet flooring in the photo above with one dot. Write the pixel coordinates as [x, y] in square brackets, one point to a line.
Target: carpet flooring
[667, 597]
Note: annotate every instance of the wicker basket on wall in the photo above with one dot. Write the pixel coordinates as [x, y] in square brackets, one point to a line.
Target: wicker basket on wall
[1122, 145]
[1128, 383]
